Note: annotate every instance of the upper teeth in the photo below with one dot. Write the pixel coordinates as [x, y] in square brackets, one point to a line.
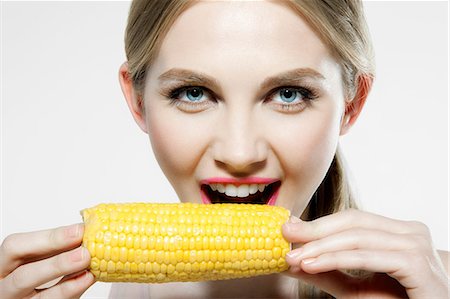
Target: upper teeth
[238, 191]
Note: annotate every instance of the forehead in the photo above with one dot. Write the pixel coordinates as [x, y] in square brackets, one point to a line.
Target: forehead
[245, 36]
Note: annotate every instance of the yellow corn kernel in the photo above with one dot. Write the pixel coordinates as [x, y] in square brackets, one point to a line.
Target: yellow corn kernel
[153, 243]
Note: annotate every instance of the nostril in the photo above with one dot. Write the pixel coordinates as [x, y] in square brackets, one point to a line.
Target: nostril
[241, 169]
[241, 158]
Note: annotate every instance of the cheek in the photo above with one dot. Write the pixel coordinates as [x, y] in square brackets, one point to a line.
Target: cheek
[308, 142]
[176, 141]
[306, 145]
[318, 144]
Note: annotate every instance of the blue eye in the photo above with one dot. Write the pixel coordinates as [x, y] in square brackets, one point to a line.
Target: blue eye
[194, 94]
[288, 95]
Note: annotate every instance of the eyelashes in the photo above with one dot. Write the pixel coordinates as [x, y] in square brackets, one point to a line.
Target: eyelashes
[305, 96]
[173, 95]
[194, 98]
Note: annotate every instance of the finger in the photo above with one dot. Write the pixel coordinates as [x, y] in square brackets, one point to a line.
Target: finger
[70, 288]
[20, 248]
[342, 285]
[411, 268]
[60, 279]
[334, 283]
[26, 278]
[55, 281]
[389, 262]
[296, 230]
[356, 238]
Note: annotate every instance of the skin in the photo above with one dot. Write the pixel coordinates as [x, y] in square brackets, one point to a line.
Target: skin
[241, 132]
[244, 133]
[29, 260]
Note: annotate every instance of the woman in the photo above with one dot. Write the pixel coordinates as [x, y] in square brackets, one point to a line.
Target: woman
[220, 114]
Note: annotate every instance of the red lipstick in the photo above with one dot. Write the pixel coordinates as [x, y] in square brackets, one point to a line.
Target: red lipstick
[248, 180]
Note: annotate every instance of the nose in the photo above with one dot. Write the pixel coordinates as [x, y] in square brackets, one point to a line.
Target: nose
[240, 148]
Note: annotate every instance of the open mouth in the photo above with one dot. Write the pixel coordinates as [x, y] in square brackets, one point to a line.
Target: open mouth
[245, 193]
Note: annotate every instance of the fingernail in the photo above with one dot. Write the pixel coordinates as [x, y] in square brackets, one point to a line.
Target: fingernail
[294, 255]
[293, 219]
[85, 275]
[309, 261]
[84, 253]
[74, 231]
[76, 255]
[291, 224]
[82, 276]
[295, 269]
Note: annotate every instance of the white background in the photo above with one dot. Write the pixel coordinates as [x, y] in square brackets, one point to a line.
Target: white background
[69, 142]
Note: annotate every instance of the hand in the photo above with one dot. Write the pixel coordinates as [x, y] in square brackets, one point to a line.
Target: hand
[399, 253]
[28, 260]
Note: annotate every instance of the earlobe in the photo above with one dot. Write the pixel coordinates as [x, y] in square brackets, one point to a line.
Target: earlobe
[132, 98]
[354, 107]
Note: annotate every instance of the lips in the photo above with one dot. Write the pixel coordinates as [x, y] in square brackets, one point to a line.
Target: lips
[249, 190]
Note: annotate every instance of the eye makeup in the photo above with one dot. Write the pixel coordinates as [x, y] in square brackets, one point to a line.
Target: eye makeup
[173, 95]
[179, 83]
[305, 92]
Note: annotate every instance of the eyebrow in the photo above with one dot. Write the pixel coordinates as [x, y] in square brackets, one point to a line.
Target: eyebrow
[197, 78]
[187, 76]
[291, 76]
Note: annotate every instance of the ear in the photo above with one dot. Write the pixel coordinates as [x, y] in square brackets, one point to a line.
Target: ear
[134, 101]
[354, 107]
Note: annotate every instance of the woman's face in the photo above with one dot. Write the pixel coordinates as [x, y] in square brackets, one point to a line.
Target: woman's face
[244, 104]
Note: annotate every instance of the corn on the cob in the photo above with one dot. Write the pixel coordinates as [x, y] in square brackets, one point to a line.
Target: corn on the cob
[145, 242]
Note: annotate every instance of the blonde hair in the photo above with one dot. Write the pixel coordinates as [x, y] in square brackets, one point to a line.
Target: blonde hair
[148, 23]
[340, 25]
